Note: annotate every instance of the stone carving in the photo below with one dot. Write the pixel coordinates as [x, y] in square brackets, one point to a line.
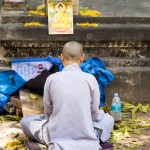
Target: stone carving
[14, 5]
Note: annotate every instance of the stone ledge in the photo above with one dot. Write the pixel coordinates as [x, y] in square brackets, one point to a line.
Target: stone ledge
[109, 62]
[115, 62]
[105, 32]
[4, 62]
[4, 68]
[132, 84]
[91, 51]
[55, 44]
[77, 19]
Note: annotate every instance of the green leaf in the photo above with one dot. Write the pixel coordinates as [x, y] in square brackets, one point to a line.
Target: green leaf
[134, 117]
[132, 146]
[135, 109]
[115, 147]
[40, 7]
[133, 125]
[112, 140]
[137, 131]
[127, 135]
[127, 128]
[145, 108]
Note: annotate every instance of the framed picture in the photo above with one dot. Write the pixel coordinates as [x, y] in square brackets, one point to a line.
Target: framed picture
[60, 16]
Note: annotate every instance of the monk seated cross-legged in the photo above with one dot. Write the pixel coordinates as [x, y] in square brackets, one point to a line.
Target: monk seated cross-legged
[72, 119]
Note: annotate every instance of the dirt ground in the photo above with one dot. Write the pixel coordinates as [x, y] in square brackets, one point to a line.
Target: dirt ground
[7, 128]
[9, 131]
[143, 137]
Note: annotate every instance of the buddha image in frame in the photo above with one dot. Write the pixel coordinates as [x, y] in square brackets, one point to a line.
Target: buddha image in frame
[60, 17]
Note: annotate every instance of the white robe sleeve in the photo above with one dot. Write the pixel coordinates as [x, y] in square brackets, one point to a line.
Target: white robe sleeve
[47, 100]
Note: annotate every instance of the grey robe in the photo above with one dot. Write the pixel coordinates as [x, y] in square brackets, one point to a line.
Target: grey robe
[71, 107]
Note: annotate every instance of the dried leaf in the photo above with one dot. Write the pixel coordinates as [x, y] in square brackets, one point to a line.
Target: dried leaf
[134, 116]
[127, 135]
[127, 128]
[145, 108]
[33, 96]
[128, 106]
[132, 146]
[137, 131]
[134, 126]
[135, 109]
[115, 147]
[14, 144]
[112, 140]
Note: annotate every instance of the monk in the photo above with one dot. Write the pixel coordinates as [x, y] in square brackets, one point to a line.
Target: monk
[72, 119]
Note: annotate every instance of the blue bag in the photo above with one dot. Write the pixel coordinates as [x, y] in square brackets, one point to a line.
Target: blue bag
[10, 81]
[97, 68]
[3, 101]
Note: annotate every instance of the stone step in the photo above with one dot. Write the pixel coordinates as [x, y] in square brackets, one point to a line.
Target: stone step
[132, 84]
[109, 62]
[116, 62]
[118, 52]
[111, 52]
[77, 19]
[60, 44]
[4, 68]
[4, 62]
[104, 32]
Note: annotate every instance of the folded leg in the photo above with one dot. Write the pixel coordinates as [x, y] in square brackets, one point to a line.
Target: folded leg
[32, 126]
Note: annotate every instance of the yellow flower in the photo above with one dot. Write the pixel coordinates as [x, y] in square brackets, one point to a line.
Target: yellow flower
[27, 24]
[91, 13]
[36, 12]
[87, 24]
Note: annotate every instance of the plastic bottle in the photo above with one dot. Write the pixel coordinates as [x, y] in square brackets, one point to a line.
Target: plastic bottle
[116, 107]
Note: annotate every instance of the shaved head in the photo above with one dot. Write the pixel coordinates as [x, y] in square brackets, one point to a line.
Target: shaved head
[72, 51]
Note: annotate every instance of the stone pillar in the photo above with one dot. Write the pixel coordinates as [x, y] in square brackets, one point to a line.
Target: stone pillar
[75, 7]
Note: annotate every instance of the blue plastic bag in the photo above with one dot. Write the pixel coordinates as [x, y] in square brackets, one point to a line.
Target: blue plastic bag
[97, 68]
[3, 101]
[10, 81]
